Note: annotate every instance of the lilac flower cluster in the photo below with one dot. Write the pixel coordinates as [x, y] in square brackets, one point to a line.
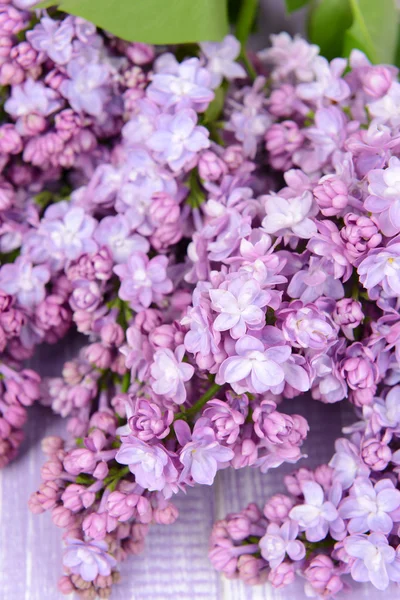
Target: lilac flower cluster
[223, 245]
[341, 519]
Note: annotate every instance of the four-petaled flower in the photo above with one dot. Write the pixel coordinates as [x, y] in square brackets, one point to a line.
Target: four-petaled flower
[279, 541]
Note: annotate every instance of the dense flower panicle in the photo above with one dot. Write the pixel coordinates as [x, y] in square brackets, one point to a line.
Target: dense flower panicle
[219, 259]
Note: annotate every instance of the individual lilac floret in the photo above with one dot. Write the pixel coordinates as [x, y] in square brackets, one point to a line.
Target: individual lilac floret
[146, 420]
[381, 268]
[86, 88]
[317, 516]
[25, 281]
[306, 327]
[384, 187]
[202, 454]
[143, 281]
[314, 281]
[375, 560]
[388, 410]
[347, 464]
[290, 217]
[68, 231]
[115, 233]
[32, 98]
[54, 38]
[279, 541]
[239, 306]
[221, 60]
[368, 506]
[187, 87]
[151, 464]
[170, 374]
[290, 56]
[254, 368]
[88, 559]
[225, 419]
[178, 139]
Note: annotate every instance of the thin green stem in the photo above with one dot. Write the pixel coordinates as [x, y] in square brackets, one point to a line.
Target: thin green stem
[247, 15]
[126, 382]
[210, 393]
[112, 481]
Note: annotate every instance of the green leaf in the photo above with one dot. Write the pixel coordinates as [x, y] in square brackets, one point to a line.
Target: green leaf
[292, 5]
[327, 25]
[153, 21]
[397, 55]
[374, 29]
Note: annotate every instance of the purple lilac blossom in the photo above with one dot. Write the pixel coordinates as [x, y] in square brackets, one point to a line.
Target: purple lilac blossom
[178, 139]
[143, 280]
[170, 374]
[202, 454]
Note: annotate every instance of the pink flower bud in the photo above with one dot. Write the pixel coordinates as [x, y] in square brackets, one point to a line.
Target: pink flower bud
[55, 78]
[282, 140]
[348, 315]
[34, 503]
[211, 167]
[238, 527]
[252, 512]
[112, 334]
[10, 140]
[5, 429]
[147, 320]
[332, 195]
[105, 421]
[122, 506]
[52, 469]
[376, 454]
[11, 73]
[167, 515]
[62, 517]
[98, 355]
[96, 525]
[52, 444]
[140, 54]
[25, 55]
[65, 585]
[48, 495]
[6, 44]
[323, 475]
[101, 471]
[252, 570]
[15, 415]
[321, 576]
[12, 322]
[163, 209]
[72, 497]
[376, 80]
[293, 482]
[163, 337]
[278, 508]
[233, 157]
[80, 460]
[283, 575]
